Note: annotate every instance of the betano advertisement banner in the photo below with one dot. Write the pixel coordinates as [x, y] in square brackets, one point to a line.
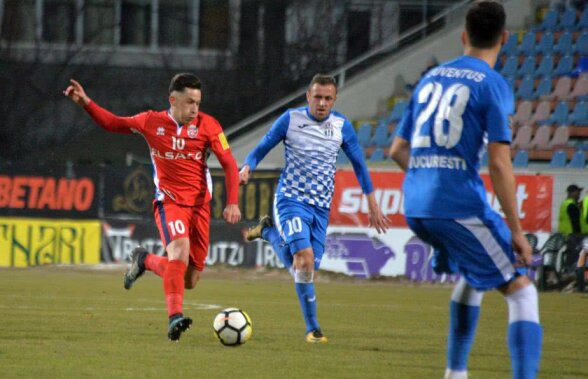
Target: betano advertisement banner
[26, 242]
[349, 208]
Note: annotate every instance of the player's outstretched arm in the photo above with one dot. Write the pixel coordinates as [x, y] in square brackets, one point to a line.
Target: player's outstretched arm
[76, 93]
[377, 219]
[503, 181]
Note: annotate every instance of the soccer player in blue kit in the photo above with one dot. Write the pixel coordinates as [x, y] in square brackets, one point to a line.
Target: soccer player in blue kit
[456, 109]
[312, 137]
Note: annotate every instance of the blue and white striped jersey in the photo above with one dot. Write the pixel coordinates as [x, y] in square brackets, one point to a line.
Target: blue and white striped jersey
[311, 149]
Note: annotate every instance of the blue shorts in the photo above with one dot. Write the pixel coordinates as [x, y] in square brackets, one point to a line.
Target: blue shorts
[302, 226]
[480, 248]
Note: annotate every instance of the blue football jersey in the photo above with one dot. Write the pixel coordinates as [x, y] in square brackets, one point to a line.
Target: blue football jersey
[455, 110]
[311, 148]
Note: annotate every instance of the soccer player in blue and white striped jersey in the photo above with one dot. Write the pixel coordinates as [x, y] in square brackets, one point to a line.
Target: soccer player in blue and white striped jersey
[456, 109]
[312, 137]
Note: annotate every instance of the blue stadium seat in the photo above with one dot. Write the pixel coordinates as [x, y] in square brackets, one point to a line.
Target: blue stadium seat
[581, 46]
[579, 115]
[578, 159]
[564, 66]
[511, 82]
[544, 87]
[564, 44]
[545, 44]
[558, 159]
[527, 46]
[567, 20]
[526, 90]
[550, 21]
[560, 114]
[545, 67]
[378, 155]
[380, 138]
[397, 111]
[583, 21]
[521, 159]
[342, 158]
[510, 66]
[364, 135]
[528, 67]
[510, 47]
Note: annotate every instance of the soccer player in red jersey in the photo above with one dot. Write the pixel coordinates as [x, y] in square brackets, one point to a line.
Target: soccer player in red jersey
[179, 140]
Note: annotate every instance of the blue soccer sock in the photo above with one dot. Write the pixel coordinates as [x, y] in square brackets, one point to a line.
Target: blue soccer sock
[525, 334]
[307, 298]
[272, 235]
[463, 320]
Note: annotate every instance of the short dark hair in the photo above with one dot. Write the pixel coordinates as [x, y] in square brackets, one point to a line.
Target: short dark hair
[323, 80]
[485, 22]
[184, 80]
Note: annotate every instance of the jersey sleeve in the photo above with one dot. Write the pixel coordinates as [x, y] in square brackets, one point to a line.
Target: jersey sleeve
[117, 124]
[499, 107]
[220, 147]
[404, 127]
[353, 151]
[276, 134]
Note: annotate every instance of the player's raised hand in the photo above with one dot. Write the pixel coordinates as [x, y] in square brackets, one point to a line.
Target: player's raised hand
[232, 214]
[244, 175]
[76, 93]
[522, 247]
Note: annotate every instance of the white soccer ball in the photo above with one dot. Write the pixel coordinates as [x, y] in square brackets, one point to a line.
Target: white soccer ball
[232, 326]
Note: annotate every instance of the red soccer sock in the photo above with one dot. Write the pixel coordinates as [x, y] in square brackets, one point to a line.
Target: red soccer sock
[173, 286]
[156, 264]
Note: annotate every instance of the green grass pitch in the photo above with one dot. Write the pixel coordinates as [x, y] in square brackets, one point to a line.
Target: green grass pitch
[80, 323]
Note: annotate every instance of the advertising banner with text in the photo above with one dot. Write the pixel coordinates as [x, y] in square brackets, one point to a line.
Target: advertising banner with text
[349, 208]
[28, 242]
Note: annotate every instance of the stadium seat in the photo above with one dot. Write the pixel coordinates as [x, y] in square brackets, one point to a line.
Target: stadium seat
[364, 135]
[397, 111]
[581, 46]
[562, 89]
[526, 89]
[377, 155]
[521, 159]
[342, 158]
[567, 20]
[527, 46]
[578, 159]
[550, 21]
[564, 66]
[546, 44]
[510, 66]
[528, 67]
[558, 159]
[523, 113]
[522, 140]
[380, 138]
[544, 88]
[560, 139]
[579, 115]
[542, 112]
[580, 88]
[511, 82]
[564, 44]
[583, 21]
[545, 66]
[541, 138]
[560, 114]
[510, 47]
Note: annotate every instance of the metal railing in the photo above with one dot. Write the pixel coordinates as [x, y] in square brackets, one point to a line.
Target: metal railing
[394, 46]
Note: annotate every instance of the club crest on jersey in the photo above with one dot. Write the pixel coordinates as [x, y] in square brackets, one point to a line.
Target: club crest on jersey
[160, 131]
[192, 131]
[328, 129]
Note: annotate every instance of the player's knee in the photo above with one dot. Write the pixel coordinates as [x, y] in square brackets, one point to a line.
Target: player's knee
[304, 260]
